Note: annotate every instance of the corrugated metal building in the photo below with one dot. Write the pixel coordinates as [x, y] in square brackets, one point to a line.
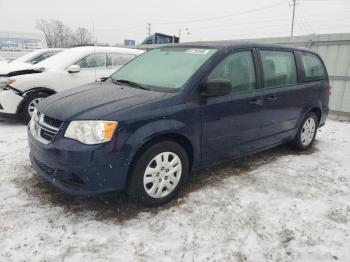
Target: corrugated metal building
[335, 50]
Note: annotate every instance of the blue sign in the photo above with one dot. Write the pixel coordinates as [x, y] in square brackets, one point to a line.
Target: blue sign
[19, 44]
[129, 42]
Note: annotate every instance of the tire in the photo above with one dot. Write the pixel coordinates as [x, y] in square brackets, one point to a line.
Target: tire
[163, 180]
[307, 132]
[28, 106]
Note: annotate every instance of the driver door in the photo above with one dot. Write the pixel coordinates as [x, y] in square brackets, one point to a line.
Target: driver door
[231, 124]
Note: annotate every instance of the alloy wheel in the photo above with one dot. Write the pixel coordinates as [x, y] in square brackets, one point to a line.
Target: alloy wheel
[32, 105]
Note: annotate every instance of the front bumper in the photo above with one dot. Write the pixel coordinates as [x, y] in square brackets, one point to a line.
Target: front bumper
[79, 169]
[9, 104]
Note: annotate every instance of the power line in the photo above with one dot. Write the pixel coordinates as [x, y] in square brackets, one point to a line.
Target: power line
[221, 17]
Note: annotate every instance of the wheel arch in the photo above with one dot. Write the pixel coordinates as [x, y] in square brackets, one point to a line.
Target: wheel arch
[176, 137]
[31, 91]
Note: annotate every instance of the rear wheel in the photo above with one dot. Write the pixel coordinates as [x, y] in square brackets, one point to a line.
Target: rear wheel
[307, 132]
[159, 174]
[30, 104]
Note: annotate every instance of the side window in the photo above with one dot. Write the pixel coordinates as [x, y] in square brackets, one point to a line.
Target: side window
[279, 68]
[313, 66]
[117, 60]
[239, 69]
[41, 57]
[92, 61]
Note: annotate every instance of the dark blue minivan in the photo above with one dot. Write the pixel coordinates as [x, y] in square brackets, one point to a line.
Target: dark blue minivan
[174, 109]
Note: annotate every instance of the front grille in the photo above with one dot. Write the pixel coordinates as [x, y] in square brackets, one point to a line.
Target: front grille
[47, 135]
[44, 128]
[52, 122]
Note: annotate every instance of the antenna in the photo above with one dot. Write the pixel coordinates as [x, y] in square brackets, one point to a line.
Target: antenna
[94, 42]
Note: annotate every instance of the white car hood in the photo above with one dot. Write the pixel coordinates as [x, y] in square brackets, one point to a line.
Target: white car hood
[14, 66]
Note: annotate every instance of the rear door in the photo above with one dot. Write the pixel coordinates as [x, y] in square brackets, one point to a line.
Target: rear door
[231, 123]
[283, 94]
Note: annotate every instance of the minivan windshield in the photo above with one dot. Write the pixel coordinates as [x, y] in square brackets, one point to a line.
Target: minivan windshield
[164, 69]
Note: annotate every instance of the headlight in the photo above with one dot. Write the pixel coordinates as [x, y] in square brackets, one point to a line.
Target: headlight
[91, 132]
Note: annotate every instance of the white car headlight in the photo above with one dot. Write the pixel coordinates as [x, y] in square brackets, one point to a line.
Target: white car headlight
[91, 132]
[5, 82]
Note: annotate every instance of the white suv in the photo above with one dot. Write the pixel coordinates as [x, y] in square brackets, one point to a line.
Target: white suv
[22, 90]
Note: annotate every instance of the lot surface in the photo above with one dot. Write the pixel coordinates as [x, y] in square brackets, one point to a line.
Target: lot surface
[279, 205]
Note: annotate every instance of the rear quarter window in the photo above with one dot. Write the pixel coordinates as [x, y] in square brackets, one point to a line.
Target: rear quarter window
[313, 67]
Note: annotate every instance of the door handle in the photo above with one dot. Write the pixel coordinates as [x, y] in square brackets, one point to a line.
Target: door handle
[271, 98]
[256, 102]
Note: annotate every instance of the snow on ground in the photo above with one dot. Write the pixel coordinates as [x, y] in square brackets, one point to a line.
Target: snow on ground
[279, 205]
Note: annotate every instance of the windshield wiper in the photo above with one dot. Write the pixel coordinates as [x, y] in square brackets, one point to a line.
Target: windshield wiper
[130, 83]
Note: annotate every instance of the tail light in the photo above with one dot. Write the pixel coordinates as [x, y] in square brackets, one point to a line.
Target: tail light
[329, 90]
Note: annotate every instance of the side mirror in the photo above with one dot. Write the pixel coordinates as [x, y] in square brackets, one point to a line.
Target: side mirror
[74, 69]
[217, 87]
[104, 78]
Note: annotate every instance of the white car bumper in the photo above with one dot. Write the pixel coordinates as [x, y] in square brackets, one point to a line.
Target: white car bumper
[9, 102]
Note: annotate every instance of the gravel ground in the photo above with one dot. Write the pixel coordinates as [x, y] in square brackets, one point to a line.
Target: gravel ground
[279, 205]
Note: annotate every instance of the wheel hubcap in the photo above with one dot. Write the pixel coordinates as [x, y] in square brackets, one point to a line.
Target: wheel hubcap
[308, 131]
[162, 175]
[32, 105]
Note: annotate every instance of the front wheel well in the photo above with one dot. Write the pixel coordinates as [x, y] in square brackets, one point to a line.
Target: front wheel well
[177, 138]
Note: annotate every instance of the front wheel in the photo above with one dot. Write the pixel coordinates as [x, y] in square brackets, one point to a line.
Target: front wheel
[30, 104]
[159, 174]
[307, 132]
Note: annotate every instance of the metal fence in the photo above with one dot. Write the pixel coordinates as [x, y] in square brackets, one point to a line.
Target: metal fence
[335, 50]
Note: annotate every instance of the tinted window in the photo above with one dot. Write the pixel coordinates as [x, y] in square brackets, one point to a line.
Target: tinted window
[115, 60]
[91, 61]
[163, 39]
[313, 66]
[239, 69]
[279, 68]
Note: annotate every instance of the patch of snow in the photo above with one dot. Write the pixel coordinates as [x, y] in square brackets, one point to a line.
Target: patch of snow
[279, 205]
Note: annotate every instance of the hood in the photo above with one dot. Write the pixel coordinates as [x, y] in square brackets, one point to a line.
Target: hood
[6, 68]
[95, 101]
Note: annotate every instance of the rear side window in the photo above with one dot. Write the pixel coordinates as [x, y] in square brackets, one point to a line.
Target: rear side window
[279, 68]
[239, 69]
[313, 67]
[117, 60]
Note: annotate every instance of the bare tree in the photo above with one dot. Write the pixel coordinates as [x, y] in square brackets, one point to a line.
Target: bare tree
[82, 36]
[59, 35]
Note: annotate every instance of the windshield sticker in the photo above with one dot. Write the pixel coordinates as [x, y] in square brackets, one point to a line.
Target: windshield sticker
[197, 51]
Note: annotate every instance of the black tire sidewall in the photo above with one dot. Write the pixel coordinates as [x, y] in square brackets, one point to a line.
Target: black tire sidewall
[297, 142]
[136, 188]
[25, 117]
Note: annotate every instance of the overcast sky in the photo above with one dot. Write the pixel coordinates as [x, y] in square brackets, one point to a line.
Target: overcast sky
[115, 21]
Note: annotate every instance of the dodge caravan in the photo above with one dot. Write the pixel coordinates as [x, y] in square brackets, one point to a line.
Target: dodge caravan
[175, 109]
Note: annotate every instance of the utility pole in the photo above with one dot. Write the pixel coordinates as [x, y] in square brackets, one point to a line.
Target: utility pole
[149, 28]
[292, 30]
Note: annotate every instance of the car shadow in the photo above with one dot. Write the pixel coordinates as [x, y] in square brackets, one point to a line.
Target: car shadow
[117, 207]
